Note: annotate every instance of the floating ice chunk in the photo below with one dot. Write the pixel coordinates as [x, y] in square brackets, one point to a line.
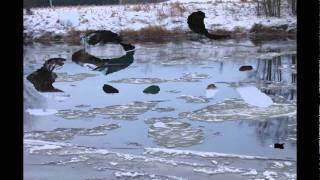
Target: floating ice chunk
[289, 175]
[44, 147]
[169, 132]
[214, 162]
[220, 169]
[210, 93]
[251, 172]
[278, 164]
[254, 96]
[159, 125]
[113, 163]
[176, 152]
[128, 174]
[38, 145]
[194, 99]
[287, 163]
[41, 112]
[270, 175]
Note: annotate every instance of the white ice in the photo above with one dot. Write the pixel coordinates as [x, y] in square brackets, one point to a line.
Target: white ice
[41, 112]
[159, 125]
[210, 93]
[254, 96]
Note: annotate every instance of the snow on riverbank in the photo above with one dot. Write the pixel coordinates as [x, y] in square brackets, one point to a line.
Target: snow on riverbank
[172, 15]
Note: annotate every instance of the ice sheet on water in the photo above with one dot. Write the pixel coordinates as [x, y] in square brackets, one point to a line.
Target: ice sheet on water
[122, 112]
[192, 77]
[219, 170]
[61, 134]
[144, 176]
[157, 162]
[65, 77]
[139, 81]
[270, 175]
[170, 132]
[194, 99]
[189, 153]
[235, 109]
[41, 112]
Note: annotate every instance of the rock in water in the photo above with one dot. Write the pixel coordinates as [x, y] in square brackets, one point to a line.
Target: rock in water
[211, 86]
[109, 89]
[152, 89]
[245, 68]
[279, 146]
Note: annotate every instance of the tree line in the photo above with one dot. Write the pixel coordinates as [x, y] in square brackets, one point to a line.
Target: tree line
[273, 7]
[46, 3]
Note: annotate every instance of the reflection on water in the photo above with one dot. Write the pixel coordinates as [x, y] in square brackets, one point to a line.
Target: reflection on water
[107, 65]
[179, 105]
[43, 78]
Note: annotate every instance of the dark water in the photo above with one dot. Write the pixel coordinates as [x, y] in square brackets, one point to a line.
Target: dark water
[87, 133]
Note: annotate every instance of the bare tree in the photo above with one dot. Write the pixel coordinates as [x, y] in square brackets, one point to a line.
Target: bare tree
[269, 7]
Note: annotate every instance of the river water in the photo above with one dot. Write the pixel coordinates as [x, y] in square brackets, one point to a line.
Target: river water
[185, 131]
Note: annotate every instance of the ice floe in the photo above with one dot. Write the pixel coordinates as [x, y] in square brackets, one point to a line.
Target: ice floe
[194, 99]
[65, 77]
[170, 132]
[41, 112]
[122, 112]
[61, 134]
[176, 152]
[139, 81]
[157, 163]
[219, 170]
[234, 109]
[270, 175]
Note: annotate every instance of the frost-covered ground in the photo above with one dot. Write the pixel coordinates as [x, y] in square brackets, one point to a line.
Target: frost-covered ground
[171, 15]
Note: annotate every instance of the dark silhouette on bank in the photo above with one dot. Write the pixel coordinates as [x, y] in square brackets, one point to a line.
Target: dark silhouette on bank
[43, 78]
[196, 24]
[103, 37]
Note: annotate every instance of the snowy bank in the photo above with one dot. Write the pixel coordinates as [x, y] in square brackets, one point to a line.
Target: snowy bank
[172, 16]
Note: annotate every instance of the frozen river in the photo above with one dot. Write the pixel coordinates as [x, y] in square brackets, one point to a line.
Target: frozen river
[185, 131]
